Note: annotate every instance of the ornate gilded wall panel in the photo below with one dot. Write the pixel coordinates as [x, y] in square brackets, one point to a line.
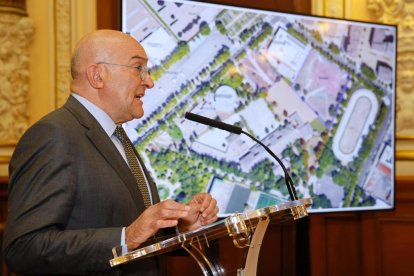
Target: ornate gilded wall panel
[16, 31]
[401, 13]
[63, 49]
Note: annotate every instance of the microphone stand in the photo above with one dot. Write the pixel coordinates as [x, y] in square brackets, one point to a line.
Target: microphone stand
[256, 235]
[251, 262]
[288, 179]
[237, 130]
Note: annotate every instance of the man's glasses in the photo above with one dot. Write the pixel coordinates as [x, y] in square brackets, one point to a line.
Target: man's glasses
[144, 70]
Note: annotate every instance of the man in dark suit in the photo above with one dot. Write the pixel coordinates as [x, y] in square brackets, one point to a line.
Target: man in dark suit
[72, 195]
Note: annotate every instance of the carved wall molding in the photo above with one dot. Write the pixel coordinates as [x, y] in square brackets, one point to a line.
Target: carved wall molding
[334, 8]
[16, 33]
[63, 50]
[401, 13]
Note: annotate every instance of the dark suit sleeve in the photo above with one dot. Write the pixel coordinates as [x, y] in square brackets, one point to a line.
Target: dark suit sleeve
[43, 190]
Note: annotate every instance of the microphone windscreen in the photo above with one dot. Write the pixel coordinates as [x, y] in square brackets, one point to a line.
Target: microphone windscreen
[212, 123]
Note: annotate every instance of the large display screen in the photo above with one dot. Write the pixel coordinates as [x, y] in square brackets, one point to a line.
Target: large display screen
[319, 92]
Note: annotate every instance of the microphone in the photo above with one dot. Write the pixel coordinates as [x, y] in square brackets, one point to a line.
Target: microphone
[238, 130]
[213, 123]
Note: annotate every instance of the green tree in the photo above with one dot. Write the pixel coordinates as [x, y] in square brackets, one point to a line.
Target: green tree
[220, 27]
[204, 28]
[368, 71]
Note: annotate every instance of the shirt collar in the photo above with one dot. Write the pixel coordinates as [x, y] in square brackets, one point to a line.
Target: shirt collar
[101, 116]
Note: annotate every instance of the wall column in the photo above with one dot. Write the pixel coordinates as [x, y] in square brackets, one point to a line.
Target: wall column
[36, 42]
[16, 33]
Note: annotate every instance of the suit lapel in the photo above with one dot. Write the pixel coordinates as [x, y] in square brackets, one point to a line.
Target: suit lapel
[105, 146]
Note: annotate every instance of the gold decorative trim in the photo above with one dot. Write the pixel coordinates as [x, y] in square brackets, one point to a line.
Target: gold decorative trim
[404, 155]
[16, 36]
[400, 13]
[13, 10]
[7, 145]
[13, 6]
[404, 136]
[63, 51]
[334, 8]
[5, 159]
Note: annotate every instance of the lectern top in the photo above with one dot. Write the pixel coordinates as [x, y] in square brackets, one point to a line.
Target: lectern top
[239, 226]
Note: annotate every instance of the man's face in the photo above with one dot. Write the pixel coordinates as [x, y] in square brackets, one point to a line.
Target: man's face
[125, 85]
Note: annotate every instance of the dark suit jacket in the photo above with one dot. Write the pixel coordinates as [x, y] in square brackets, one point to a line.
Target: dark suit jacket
[70, 194]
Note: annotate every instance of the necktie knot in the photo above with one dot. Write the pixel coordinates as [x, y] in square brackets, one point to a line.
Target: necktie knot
[121, 134]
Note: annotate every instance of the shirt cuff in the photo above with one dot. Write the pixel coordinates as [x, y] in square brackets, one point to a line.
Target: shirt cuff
[124, 247]
[123, 236]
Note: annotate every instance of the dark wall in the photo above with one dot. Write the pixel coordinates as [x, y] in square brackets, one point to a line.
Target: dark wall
[366, 243]
[108, 14]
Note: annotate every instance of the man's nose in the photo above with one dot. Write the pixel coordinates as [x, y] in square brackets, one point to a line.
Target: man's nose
[149, 83]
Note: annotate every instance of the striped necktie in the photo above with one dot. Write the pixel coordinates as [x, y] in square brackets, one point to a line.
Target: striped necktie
[133, 164]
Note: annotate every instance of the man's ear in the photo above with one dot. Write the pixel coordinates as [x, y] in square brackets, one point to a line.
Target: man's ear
[93, 74]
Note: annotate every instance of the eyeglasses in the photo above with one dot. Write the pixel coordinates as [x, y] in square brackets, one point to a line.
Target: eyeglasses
[144, 70]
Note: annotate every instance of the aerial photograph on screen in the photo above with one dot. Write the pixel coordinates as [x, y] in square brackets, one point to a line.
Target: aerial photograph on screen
[319, 92]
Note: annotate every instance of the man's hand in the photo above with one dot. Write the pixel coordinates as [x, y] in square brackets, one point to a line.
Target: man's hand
[203, 211]
[161, 215]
